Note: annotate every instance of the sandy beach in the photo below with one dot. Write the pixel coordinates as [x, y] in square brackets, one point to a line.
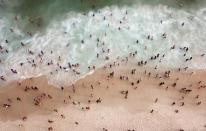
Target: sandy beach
[108, 102]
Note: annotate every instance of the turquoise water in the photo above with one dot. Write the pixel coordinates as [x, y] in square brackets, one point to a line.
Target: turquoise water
[62, 32]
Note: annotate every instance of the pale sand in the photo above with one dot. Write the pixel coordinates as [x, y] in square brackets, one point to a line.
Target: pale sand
[114, 113]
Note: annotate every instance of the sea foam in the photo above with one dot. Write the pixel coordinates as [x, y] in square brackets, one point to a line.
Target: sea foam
[78, 37]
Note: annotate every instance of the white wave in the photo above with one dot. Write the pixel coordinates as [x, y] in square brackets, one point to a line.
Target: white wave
[64, 38]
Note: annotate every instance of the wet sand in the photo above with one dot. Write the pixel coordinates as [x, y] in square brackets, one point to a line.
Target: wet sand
[101, 103]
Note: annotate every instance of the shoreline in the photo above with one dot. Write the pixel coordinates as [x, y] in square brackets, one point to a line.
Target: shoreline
[96, 102]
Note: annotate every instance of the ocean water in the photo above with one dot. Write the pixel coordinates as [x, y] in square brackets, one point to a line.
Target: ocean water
[48, 37]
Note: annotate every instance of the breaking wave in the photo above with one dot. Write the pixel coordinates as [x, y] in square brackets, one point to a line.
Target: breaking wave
[69, 44]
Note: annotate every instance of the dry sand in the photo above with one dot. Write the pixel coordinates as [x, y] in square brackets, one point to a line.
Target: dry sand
[69, 109]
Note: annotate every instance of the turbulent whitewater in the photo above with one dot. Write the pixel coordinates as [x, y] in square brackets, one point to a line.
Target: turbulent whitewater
[75, 40]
